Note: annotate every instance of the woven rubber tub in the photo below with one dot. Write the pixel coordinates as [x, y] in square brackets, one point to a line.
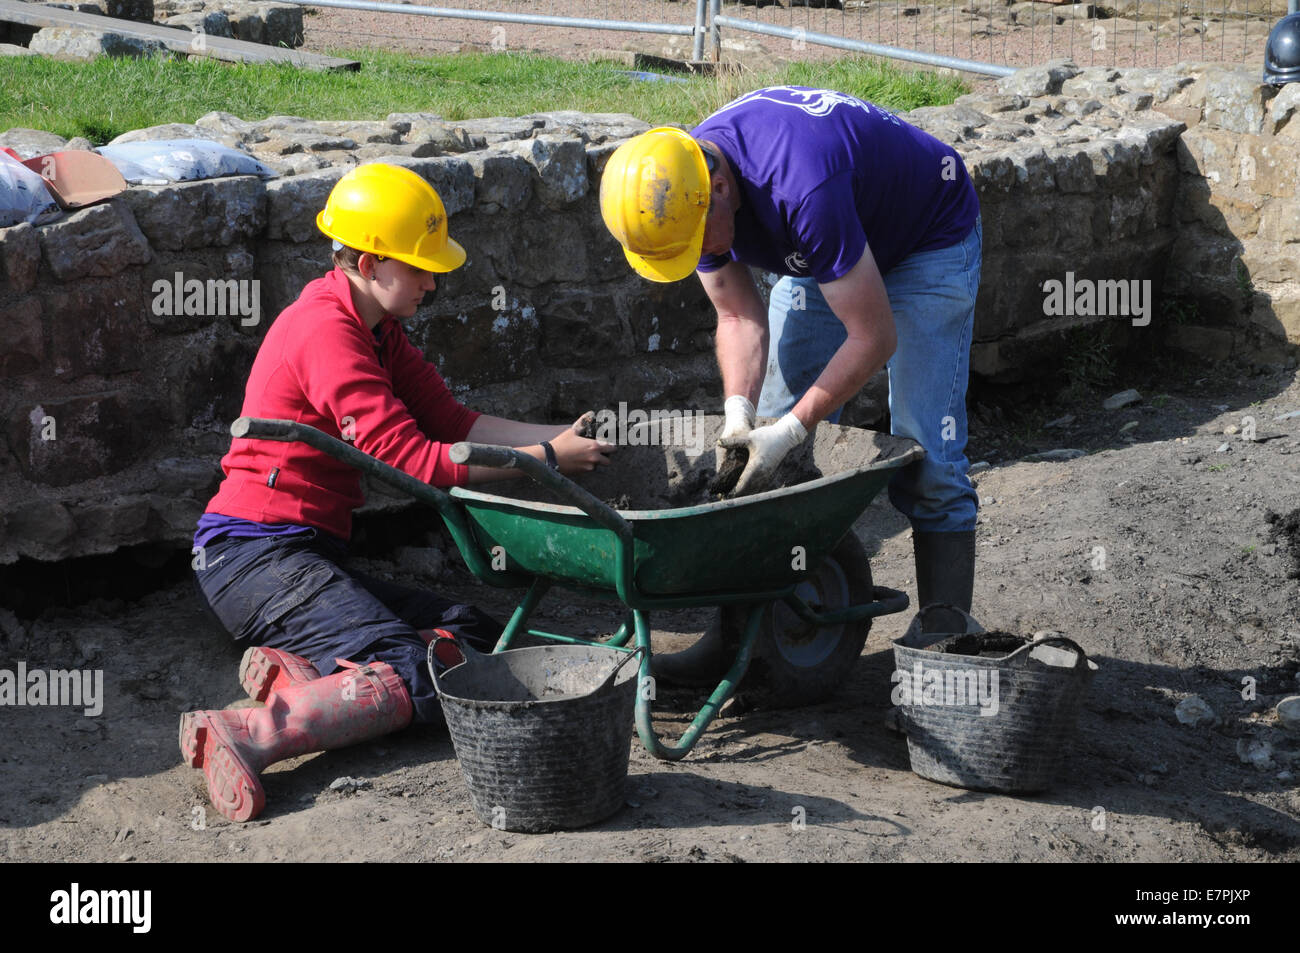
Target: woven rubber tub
[542, 734]
[989, 724]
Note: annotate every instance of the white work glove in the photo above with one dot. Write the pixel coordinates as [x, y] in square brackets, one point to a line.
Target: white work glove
[767, 447]
[740, 421]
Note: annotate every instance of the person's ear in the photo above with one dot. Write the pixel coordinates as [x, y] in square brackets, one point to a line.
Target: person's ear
[366, 262]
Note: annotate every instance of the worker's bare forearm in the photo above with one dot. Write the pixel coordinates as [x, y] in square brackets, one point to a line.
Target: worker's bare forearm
[855, 363]
[742, 334]
[861, 302]
[511, 433]
[742, 355]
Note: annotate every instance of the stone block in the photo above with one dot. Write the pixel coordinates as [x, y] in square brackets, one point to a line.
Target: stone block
[501, 128]
[204, 380]
[1278, 315]
[1283, 106]
[1269, 262]
[579, 330]
[29, 143]
[198, 214]
[551, 249]
[100, 240]
[168, 130]
[24, 344]
[1234, 100]
[451, 177]
[20, 256]
[1031, 167]
[139, 10]
[479, 344]
[1038, 80]
[208, 22]
[97, 326]
[293, 203]
[1280, 221]
[116, 522]
[591, 127]
[561, 166]
[77, 44]
[39, 528]
[362, 131]
[675, 318]
[1115, 161]
[1072, 170]
[67, 440]
[503, 181]
[190, 291]
[1267, 167]
[1089, 88]
[284, 267]
[1210, 153]
[281, 24]
[1211, 344]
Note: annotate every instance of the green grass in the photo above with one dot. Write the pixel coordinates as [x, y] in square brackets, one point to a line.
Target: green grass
[106, 97]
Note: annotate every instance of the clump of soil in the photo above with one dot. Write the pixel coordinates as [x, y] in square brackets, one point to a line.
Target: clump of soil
[981, 644]
[672, 464]
[1285, 529]
[728, 475]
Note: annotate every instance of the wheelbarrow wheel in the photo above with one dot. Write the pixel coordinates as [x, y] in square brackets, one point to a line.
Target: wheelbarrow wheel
[797, 663]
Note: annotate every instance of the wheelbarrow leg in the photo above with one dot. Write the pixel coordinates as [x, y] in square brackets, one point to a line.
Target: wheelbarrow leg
[726, 688]
[624, 632]
[519, 620]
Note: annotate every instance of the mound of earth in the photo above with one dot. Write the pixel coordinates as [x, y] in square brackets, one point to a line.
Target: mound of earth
[671, 463]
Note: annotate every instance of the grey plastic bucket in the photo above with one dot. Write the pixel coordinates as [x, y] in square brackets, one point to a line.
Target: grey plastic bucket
[989, 724]
[542, 734]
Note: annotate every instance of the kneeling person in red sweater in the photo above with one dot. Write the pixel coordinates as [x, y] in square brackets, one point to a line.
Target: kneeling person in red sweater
[339, 657]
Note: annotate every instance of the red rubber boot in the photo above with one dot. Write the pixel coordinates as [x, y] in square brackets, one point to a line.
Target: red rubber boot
[233, 747]
[263, 670]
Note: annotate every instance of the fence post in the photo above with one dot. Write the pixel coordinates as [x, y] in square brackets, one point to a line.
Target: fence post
[715, 9]
[701, 12]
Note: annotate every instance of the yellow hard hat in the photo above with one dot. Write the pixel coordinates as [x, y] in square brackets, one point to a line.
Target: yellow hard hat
[390, 211]
[654, 197]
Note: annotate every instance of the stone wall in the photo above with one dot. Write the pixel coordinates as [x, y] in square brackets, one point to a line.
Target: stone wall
[117, 407]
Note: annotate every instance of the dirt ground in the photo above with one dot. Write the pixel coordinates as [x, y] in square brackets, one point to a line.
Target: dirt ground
[1191, 597]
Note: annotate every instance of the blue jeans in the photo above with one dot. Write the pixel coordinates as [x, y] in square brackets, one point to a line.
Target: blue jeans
[932, 295]
[291, 593]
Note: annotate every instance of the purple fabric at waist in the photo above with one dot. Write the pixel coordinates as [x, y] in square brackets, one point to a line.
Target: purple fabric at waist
[213, 526]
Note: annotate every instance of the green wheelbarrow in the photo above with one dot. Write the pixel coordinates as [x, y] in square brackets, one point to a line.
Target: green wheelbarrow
[792, 581]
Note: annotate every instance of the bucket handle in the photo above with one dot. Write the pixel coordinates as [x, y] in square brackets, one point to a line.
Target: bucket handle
[472, 657]
[628, 656]
[1080, 655]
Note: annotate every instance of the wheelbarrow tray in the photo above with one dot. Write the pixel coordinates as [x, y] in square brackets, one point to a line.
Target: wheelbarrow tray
[759, 542]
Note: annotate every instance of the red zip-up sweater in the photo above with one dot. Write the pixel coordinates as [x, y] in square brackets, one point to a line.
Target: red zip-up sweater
[320, 365]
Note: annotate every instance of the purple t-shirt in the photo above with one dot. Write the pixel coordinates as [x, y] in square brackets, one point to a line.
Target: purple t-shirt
[824, 175]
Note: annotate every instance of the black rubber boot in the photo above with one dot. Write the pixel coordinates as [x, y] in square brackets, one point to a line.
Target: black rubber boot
[703, 664]
[945, 573]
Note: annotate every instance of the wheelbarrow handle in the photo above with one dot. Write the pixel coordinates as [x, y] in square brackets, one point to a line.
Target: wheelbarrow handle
[290, 431]
[508, 458]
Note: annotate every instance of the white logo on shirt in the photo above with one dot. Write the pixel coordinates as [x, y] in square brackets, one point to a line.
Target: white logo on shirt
[796, 262]
[815, 102]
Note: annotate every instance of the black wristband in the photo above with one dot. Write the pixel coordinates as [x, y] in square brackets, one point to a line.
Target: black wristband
[551, 460]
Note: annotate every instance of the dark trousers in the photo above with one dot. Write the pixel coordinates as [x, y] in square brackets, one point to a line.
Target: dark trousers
[291, 593]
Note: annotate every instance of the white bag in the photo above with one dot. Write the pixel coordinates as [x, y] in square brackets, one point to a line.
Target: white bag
[162, 161]
[23, 195]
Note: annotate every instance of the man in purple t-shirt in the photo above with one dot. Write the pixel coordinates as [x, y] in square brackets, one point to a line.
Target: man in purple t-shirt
[874, 227]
